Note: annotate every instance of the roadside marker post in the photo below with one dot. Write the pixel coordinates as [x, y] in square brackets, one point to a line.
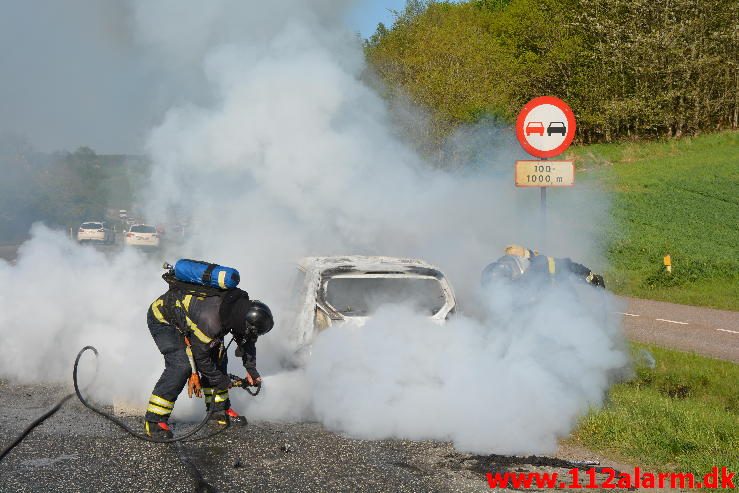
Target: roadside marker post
[668, 263]
[545, 128]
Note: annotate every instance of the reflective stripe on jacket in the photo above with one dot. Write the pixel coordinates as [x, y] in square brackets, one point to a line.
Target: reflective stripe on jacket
[198, 317]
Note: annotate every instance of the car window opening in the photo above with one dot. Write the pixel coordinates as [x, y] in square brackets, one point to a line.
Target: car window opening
[361, 296]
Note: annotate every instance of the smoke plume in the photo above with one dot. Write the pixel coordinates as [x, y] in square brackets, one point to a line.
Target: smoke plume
[285, 152]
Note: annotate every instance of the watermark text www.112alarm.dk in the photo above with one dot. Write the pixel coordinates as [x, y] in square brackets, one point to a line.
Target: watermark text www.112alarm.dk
[718, 478]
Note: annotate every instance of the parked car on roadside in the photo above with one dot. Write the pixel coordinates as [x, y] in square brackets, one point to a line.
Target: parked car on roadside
[95, 231]
[142, 235]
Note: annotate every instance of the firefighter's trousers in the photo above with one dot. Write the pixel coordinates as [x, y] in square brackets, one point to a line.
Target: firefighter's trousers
[177, 370]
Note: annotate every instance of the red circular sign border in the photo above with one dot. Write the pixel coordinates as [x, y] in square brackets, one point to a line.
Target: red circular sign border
[571, 127]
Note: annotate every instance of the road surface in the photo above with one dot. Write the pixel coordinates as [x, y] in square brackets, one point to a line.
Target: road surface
[76, 450]
[704, 331]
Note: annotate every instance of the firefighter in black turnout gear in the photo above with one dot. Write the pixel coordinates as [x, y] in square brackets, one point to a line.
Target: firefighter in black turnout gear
[188, 330]
[524, 265]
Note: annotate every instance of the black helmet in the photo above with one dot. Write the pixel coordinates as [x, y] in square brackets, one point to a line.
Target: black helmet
[258, 318]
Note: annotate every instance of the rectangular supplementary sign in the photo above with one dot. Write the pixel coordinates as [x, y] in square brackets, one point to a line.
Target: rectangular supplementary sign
[545, 173]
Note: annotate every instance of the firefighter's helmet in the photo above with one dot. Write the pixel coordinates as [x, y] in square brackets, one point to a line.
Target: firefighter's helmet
[518, 251]
[508, 267]
[258, 318]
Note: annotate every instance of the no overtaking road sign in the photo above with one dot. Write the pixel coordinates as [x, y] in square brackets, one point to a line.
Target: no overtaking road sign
[545, 127]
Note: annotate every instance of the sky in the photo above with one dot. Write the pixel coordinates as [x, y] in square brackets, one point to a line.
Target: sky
[77, 77]
[367, 15]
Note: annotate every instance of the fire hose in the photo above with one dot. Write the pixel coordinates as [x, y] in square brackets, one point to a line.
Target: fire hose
[241, 382]
[33, 425]
[236, 382]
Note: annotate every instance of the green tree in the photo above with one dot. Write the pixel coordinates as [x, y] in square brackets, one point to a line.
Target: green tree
[81, 185]
[628, 68]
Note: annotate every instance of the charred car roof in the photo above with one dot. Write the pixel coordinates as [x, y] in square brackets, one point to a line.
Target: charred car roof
[369, 264]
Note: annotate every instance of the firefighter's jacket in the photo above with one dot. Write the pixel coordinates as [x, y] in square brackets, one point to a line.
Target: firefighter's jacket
[198, 318]
[556, 267]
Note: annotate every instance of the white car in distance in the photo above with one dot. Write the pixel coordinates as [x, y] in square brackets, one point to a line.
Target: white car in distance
[142, 235]
[95, 231]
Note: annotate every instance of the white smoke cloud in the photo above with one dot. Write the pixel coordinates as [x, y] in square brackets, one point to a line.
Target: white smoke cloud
[291, 154]
[515, 386]
[59, 297]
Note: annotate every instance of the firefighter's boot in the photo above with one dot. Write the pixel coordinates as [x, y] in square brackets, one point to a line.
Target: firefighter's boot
[158, 431]
[223, 418]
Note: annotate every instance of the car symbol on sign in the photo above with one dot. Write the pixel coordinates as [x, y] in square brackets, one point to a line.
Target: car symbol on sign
[535, 128]
[557, 128]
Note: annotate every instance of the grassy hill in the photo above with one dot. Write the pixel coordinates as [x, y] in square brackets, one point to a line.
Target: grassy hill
[679, 415]
[677, 197]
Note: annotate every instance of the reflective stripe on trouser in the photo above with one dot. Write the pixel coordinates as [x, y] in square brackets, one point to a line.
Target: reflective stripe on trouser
[220, 397]
[160, 406]
[208, 395]
[176, 369]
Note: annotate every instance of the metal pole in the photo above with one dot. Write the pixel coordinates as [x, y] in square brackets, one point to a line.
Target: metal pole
[543, 203]
[543, 210]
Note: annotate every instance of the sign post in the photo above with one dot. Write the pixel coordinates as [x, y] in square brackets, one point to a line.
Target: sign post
[545, 128]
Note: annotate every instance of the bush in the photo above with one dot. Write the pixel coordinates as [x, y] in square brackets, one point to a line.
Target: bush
[628, 68]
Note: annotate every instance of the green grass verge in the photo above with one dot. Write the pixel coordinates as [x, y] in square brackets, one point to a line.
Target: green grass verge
[681, 415]
[678, 197]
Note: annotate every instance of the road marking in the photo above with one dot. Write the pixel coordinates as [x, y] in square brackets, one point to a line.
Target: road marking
[628, 314]
[671, 321]
[729, 331]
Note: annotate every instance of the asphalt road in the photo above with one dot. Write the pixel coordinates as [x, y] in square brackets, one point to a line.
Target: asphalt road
[704, 331]
[76, 450]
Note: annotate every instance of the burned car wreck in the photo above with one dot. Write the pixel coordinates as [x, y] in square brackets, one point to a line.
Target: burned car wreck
[330, 291]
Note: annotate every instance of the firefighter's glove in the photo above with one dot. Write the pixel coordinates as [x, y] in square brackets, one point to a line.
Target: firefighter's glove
[596, 280]
[193, 386]
[252, 377]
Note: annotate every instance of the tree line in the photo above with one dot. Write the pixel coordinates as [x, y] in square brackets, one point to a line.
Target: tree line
[628, 68]
[62, 188]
